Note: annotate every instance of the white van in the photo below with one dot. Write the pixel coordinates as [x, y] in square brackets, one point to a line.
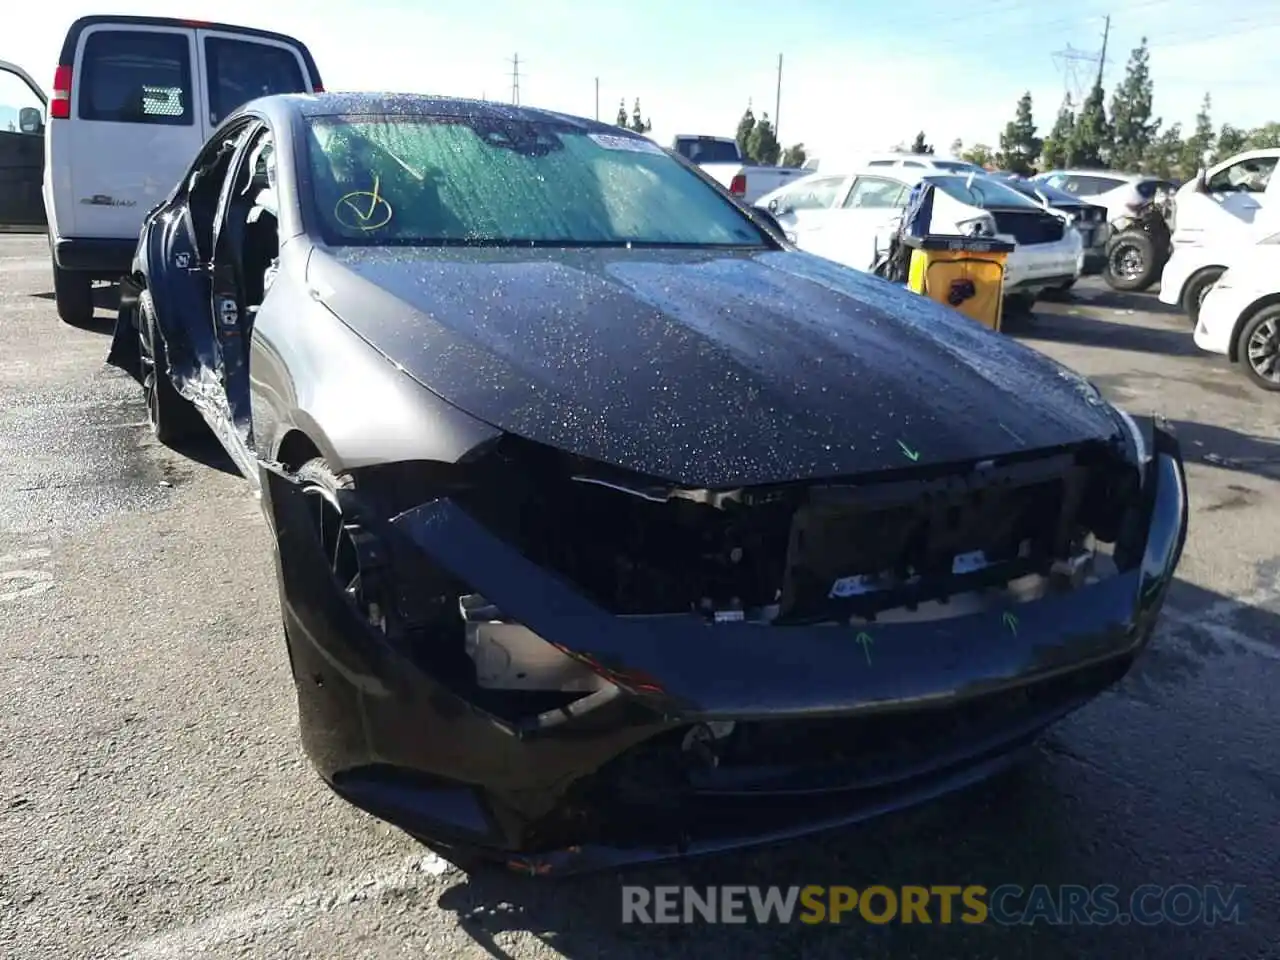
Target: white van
[133, 100]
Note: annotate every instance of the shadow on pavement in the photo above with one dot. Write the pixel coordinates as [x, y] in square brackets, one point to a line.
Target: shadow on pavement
[1229, 449]
[1093, 332]
[1097, 803]
[1147, 301]
[208, 452]
[106, 301]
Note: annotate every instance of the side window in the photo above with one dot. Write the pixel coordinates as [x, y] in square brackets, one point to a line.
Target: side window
[20, 108]
[1246, 176]
[913, 163]
[817, 195]
[880, 163]
[1094, 186]
[136, 76]
[876, 193]
[243, 70]
[1059, 182]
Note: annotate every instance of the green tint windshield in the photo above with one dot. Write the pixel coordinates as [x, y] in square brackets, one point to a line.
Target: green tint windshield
[475, 181]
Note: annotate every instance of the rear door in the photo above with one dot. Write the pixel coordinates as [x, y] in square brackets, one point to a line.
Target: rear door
[135, 126]
[22, 118]
[239, 67]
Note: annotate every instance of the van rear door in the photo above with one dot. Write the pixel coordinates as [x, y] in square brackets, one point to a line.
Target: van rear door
[239, 67]
[135, 126]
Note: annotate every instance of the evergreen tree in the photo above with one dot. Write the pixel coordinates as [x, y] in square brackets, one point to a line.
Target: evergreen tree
[745, 126]
[1056, 152]
[1019, 145]
[1164, 156]
[1231, 140]
[762, 145]
[638, 123]
[794, 156]
[622, 114]
[920, 146]
[1200, 144]
[1091, 141]
[981, 154]
[1132, 126]
[957, 147]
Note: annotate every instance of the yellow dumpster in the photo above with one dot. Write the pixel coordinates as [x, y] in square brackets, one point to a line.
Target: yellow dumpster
[966, 273]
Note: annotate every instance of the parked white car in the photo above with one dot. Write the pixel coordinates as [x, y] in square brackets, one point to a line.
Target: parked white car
[1240, 316]
[1121, 193]
[722, 160]
[909, 161]
[1192, 271]
[1237, 197]
[850, 218]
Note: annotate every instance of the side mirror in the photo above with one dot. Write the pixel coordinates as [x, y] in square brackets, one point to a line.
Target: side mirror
[1201, 180]
[30, 120]
[768, 217]
[773, 206]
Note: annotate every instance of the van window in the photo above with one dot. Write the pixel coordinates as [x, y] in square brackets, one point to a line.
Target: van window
[136, 76]
[241, 70]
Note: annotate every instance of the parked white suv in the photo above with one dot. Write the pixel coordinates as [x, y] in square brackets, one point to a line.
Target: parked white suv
[1237, 199]
[1123, 194]
[133, 100]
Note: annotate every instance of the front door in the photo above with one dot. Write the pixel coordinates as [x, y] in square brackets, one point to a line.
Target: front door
[860, 228]
[22, 119]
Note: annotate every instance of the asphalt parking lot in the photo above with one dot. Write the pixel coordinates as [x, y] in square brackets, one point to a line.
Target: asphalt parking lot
[155, 801]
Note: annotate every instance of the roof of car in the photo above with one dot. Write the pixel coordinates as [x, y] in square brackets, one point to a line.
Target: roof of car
[427, 105]
[1109, 174]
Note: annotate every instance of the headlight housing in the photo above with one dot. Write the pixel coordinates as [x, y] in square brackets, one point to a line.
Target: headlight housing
[983, 226]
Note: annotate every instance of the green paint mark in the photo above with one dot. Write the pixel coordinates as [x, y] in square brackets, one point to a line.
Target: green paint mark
[912, 455]
[865, 641]
[1010, 621]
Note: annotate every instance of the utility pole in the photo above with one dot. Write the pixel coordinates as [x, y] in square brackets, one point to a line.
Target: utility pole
[777, 100]
[597, 98]
[515, 79]
[1102, 60]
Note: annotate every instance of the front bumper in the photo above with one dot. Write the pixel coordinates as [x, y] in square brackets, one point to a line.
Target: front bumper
[1184, 262]
[851, 723]
[1221, 308]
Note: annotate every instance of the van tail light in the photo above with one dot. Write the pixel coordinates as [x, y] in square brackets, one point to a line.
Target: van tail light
[60, 102]
[738, 185]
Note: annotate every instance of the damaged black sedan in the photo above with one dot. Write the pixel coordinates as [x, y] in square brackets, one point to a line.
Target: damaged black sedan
[608, 526]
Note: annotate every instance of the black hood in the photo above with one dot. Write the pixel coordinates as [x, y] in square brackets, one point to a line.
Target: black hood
[707, 368]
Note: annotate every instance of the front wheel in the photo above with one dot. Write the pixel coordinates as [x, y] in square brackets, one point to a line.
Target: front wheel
[171, 416]
[1258, 348]
[1197, 289]
[1131, 262]
[73, 296]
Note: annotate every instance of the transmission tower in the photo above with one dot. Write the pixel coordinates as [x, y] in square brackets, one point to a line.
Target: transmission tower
[515, 79]
[1081, 68]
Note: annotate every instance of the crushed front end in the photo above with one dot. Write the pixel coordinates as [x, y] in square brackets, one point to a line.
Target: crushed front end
[569, 666]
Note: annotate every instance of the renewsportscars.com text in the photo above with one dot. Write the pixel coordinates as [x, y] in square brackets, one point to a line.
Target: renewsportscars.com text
[1007, 904]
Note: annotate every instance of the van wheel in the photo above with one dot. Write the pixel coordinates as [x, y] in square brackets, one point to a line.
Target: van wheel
[171, 416]
[73, 293]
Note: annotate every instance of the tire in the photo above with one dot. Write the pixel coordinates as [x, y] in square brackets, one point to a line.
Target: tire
[73, 294]
[1132, 265]
[1016, 310]
[1262, 333]
[171, 416]
[1197, 287]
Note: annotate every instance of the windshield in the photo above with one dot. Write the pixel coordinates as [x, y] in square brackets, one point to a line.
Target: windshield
[982, 192]
[1051, 194]
[708, 150]
[417, 180]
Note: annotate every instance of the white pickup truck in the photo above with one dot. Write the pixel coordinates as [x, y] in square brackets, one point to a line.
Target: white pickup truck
[723, 162]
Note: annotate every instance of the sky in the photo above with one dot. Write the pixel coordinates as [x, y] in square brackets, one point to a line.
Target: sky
[857, 75]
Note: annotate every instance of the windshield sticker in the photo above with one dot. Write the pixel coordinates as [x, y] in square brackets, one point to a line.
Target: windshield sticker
[364, 210]
[632, 144]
